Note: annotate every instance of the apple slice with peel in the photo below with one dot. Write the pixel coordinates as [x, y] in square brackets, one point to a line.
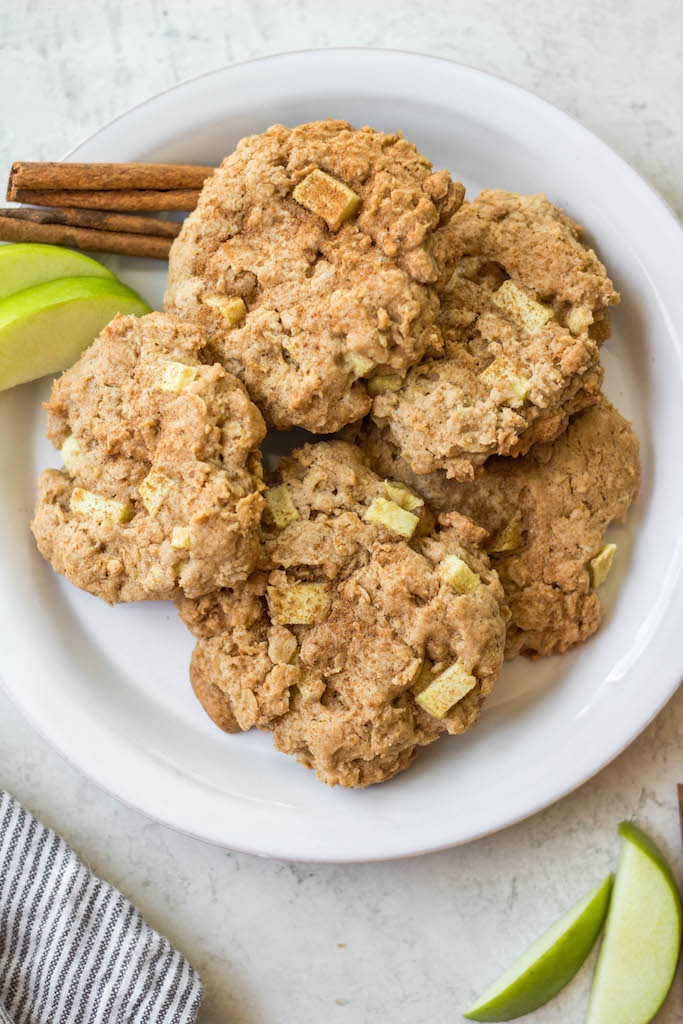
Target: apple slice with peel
[44, 329]
[548, 964]
[26, 264]
[642, 940]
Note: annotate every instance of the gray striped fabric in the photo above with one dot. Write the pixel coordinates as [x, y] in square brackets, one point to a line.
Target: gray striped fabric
[73, 950]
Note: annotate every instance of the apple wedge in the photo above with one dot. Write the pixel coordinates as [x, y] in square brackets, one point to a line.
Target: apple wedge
[642, 941]
[44, 329]
[548, 964]
[25, 265]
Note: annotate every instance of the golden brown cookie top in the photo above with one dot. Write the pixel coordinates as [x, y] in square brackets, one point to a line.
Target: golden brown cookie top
[546, 515]
[161, 488]
[522, 318]
[539, 246]
[369, 629]
[310, 261]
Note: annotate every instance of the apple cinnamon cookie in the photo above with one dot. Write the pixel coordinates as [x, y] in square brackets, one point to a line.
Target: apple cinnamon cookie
[161, 490]
[310, 262]
[522, 318]
[369, 629]
[546, 514]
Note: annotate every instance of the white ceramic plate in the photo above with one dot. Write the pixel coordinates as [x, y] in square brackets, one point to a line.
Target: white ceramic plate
[109, 686]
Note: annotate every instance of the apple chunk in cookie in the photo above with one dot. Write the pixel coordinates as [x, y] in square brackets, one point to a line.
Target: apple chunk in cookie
[161, 488]
[546, 514]
[522, 318]
[347, 641]
[325, 241]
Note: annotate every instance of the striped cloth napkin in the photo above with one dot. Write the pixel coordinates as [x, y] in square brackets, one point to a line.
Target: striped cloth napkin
[73, 950]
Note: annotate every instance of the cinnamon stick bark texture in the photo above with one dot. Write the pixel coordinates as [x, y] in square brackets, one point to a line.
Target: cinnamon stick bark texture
[135, 200]
[89, 239]
[95, 206]
[98, 177]
[101, 220]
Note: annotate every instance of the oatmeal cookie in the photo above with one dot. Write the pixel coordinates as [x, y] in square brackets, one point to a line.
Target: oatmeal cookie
[370, 629]
[522, 318]
[310, 262]
[160, 494]
[546, 514]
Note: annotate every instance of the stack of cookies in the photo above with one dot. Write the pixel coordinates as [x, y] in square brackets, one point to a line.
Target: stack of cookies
[359, 602]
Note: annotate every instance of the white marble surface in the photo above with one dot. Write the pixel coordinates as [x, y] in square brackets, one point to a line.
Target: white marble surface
[403, 942]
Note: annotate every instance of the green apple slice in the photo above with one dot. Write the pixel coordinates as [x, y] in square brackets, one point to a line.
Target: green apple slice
[642, 941]
[25, 265]
[44, 329]
[548, 964]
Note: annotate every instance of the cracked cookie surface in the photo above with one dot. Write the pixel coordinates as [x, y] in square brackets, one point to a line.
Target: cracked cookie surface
[522, 318]
[546, 513]
[332, 644]
[304, 312]
[160, 494]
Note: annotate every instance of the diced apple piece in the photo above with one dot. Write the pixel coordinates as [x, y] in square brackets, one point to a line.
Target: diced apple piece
[389, 382]
[600, 566]
[521, 307]
[233, 310]
[449, 687]
[180, 538]
[501, 376]
[311, 686]
[154, 490]
[456, 572]
[579, 319]
[71, 452]
[175, 376]
[327, 197]
[282, 646]
[301, 604]
[282, 508]
[402, 495]
[359, 365]
[507, 540]
[392, 516]
[94, 506]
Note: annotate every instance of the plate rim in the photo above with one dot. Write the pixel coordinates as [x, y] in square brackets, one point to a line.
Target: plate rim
[531, 806]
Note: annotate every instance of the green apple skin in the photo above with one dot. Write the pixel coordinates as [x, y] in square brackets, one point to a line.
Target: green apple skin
[548, 964]
[634, 973]
[44, 329]
[25, 264]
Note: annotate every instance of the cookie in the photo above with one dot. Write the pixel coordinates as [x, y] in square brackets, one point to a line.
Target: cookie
[522, 317]
[369, 630]
[160, 494]
[546, 514]
[310, 262]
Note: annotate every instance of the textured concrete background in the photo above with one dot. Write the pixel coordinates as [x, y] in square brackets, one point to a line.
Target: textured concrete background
[406, 942]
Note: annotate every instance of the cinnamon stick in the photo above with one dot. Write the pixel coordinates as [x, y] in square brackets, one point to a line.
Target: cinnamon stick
[98, 177]
[89, 239]
[101, 220]
[122, 199]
